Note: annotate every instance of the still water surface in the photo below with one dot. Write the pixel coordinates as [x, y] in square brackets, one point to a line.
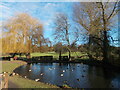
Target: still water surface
[74, 75]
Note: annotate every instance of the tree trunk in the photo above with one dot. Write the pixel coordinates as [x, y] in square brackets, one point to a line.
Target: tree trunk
[60, 56]
[69, 55]
[105, 47]
[105, 38]
[28, 55]
[90, 48]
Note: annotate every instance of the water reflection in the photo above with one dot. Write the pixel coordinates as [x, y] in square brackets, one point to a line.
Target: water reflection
[74, 75]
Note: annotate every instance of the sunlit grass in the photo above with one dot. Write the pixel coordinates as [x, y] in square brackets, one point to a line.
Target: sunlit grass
[9, 66]
[56, 55]
[26, 83]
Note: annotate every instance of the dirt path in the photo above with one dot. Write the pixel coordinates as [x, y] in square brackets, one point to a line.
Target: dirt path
[12, 85]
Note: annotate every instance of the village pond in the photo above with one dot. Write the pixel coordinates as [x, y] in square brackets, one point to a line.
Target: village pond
[73, 75]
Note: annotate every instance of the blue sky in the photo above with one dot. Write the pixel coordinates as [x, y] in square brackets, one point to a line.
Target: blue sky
[44, 11]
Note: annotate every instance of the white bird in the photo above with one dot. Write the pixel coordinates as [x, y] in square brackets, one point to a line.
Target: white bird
[29, 70]
[41, 74]
[37, 80]
[50, 69]
[63, 70]
[25, 76]
[13, 74]
[61, 75]
[4, 72]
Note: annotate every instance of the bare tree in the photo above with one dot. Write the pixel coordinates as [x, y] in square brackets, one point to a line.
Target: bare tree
[107, 15]
[96, 19]
[62, 33]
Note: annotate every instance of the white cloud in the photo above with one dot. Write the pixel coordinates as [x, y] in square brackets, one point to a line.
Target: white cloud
[47, 22]
[4, 7]
[50, 5]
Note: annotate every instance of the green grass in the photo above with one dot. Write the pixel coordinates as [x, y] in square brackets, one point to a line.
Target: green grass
[56, 55]
[9, 66]
[26, 83]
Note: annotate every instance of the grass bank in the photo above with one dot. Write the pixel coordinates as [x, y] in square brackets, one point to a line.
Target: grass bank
[9, 66]
[20, 82]
[27, 83]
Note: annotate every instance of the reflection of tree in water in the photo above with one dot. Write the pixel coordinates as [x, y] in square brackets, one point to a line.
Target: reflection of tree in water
[100, 77]
[63, 64]
[48, 64]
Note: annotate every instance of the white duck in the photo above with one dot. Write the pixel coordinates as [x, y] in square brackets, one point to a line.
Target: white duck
[37, 80]
[29, 70]
[61, 75]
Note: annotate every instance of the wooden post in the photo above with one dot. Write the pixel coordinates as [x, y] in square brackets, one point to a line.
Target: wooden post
[6, 81]
[0, 82]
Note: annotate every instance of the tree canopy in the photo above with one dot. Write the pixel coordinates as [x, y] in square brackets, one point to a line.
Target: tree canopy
[20, 33]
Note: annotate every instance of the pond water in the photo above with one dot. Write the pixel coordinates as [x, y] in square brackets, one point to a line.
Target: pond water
[74, 75]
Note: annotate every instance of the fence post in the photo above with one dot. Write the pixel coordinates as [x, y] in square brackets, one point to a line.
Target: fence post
[6, 80]
[0, 81]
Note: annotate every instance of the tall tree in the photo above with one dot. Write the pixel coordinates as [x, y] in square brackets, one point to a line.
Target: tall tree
[20, 33]
[107, 15]
[62, 33]
[96, 19]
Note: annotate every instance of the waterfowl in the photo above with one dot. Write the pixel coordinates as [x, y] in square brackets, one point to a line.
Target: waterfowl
[13, 74]
[41, 74]
[37, 80]
[50, 69]
[29, 70]
[17, 74]
[4, 72]
[63, 70]
[10, 74]
[78, 79]
[83, 76]
[61, 75]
